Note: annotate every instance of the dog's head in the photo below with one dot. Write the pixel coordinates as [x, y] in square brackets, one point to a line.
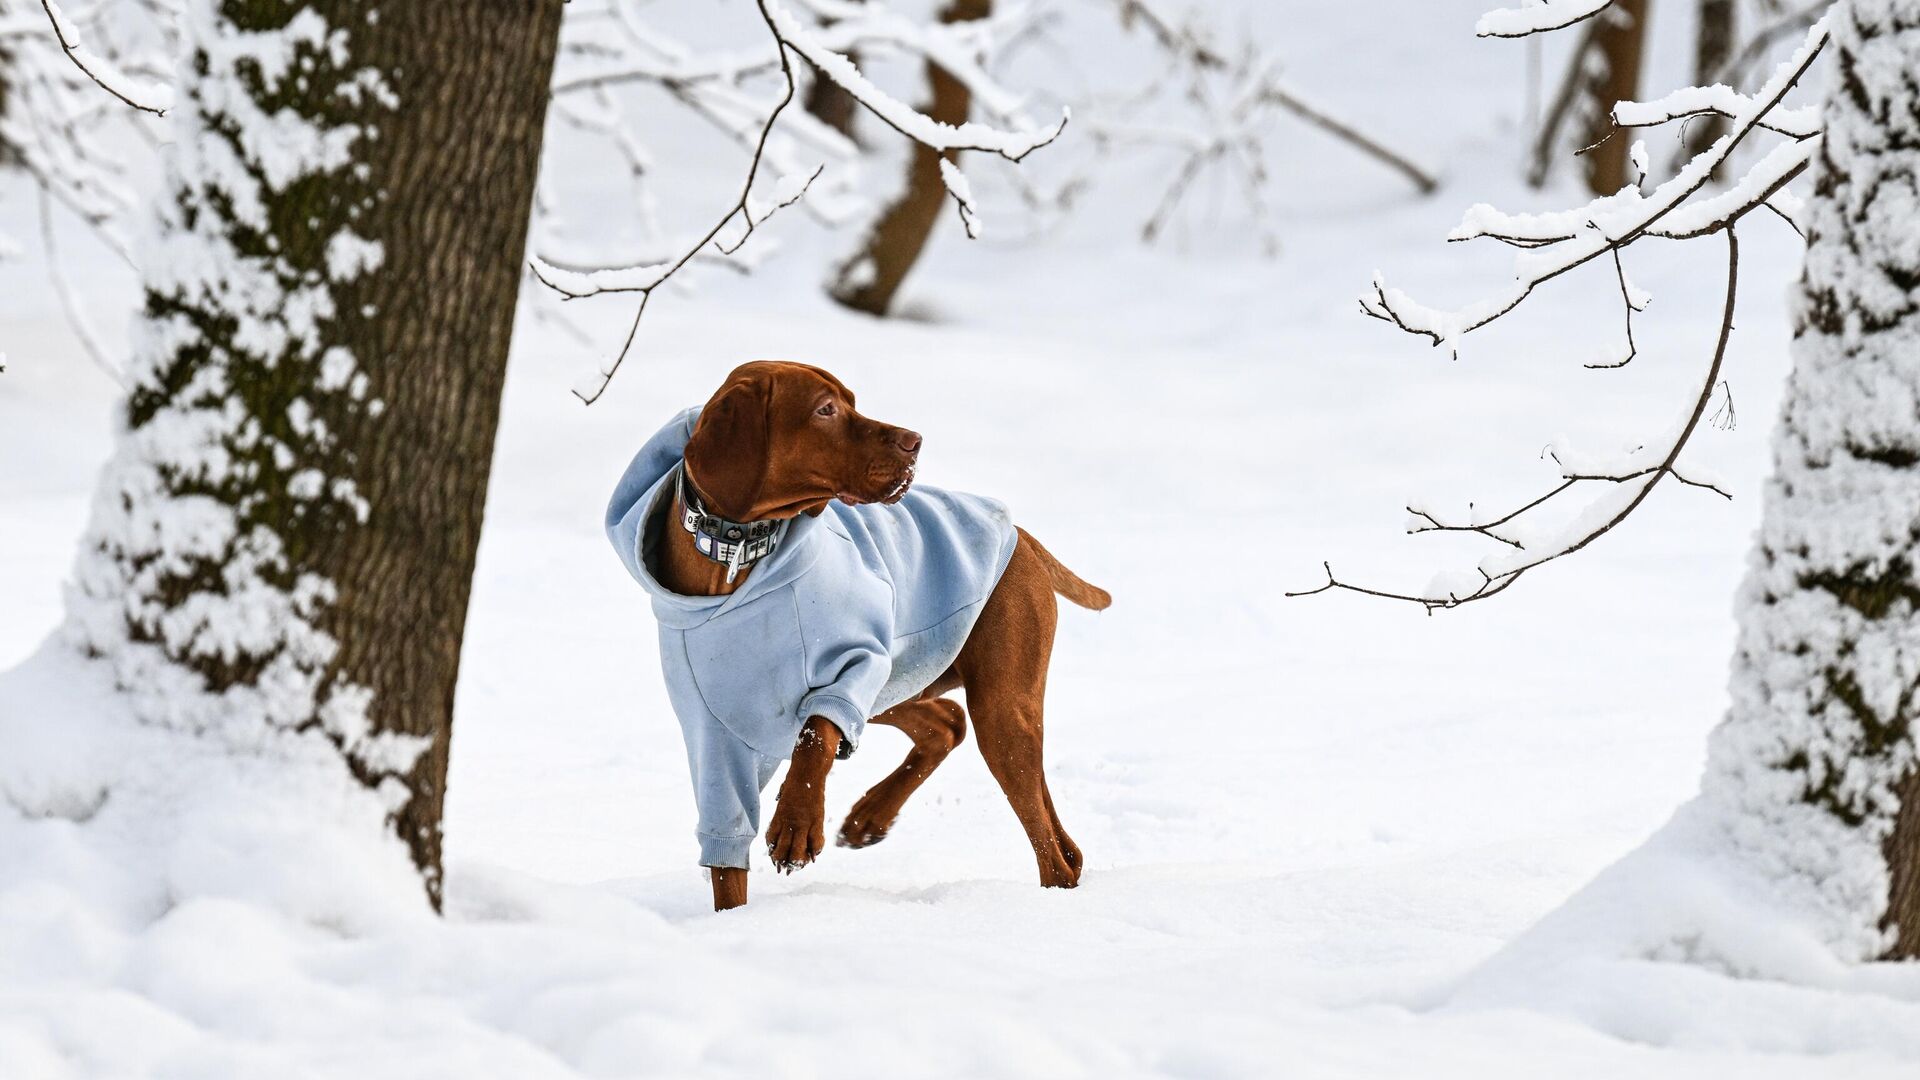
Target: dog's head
[780, 439]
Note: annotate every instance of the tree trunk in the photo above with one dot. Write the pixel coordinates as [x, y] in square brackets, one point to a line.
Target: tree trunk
[1613, 75]
[830, 103]
[1713, 46]
[868, 281]
[284, 540]
[1814, 767]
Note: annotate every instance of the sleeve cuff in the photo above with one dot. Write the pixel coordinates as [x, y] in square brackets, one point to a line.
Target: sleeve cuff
[725, 850]
[851, 719]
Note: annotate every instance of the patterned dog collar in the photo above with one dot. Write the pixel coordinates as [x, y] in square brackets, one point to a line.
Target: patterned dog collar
[733, 544]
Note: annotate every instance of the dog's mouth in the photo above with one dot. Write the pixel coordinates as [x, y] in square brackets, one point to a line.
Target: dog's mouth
[890, 496]
[900, 490]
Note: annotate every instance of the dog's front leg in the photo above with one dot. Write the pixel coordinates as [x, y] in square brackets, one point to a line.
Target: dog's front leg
[798, 831]
[729, 886]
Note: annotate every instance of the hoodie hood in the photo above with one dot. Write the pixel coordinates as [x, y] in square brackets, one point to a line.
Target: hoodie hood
[646, 488]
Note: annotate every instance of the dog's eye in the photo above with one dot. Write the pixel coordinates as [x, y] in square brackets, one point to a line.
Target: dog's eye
[825, 410]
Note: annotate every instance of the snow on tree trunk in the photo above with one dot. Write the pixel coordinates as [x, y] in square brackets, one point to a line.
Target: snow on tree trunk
[869, 280]
[1613, 75]
[282, 544]
[1813, 771]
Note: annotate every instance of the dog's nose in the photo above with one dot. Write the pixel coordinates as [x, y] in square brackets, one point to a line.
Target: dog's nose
[908, 441]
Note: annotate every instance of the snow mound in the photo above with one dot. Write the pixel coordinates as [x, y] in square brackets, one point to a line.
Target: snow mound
[1682, 943]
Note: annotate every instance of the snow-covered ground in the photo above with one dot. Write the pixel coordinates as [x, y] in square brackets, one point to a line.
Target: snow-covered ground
[1309, 823]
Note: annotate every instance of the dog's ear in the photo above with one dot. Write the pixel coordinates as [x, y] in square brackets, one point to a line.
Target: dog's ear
[727, 454]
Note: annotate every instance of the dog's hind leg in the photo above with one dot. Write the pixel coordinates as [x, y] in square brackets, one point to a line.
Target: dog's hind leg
[1004, 668]
[1009, 738]
[936, 725]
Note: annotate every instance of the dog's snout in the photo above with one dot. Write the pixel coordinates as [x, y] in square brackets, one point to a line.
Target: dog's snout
[908, 441]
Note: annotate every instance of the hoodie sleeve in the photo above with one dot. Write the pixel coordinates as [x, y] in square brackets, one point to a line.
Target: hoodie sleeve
[728, 776]
[848, 661]
[627, 510]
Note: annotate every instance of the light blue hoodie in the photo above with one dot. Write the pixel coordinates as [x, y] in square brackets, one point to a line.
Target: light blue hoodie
[854, 612]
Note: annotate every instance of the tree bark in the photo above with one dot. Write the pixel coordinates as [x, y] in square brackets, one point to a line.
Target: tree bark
[286, 535]
[1814, 767]
[1713, 46]
[869, 281]
[1613, 75]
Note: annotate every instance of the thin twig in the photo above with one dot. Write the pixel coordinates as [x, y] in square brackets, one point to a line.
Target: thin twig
[1626, 300]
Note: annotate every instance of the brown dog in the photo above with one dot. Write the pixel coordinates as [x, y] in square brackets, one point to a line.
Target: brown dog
[779, 440]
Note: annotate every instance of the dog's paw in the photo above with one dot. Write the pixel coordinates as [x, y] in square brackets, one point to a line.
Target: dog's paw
[795, 836]
[854, 835]
[865, 826]
[1060, 864]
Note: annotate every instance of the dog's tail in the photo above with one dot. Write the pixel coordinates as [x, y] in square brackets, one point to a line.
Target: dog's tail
[1067, 583]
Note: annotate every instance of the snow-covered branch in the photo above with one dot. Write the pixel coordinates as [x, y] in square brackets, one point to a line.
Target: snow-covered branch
[1555, 243]
[1578, 236]
[1718, 100]
[1538, 18]
[1010, 143]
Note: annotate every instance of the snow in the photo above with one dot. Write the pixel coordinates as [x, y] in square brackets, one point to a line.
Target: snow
[1329, 837]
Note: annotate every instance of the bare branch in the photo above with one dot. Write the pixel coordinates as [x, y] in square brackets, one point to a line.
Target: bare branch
[1634, 484]
[1281, 95]
[737, 209]
[1791, 24]
[713, 81]
[1229, 132]
[102, 71]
